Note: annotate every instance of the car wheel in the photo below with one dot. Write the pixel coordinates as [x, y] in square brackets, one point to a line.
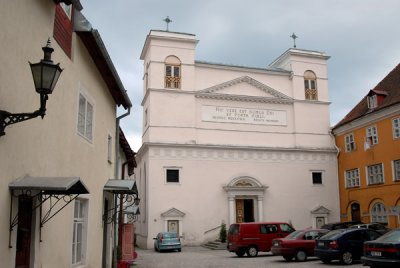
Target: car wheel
[347, 258]
[301, 255]
[288, 258]
[252, 251]
[326, 261]
[155, 248]
[240, 253]
[179, 249]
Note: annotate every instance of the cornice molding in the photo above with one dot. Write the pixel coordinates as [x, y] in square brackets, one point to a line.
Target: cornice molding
[236, 153]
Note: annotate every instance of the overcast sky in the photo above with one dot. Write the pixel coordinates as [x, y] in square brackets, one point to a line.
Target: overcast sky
[361, 36]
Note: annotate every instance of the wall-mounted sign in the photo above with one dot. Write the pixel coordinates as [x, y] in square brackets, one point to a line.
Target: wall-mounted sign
[225, 114]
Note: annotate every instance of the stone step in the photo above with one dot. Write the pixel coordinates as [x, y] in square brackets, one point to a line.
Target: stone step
[215, 245]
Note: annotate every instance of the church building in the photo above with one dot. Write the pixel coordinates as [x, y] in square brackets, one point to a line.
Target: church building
[225, 144]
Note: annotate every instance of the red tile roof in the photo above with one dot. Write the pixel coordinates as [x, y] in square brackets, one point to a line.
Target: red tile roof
[389, 86]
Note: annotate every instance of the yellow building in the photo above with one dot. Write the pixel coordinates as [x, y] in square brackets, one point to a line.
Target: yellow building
[368, 139]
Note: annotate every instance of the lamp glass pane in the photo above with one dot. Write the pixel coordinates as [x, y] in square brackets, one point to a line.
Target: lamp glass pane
[37, 75]
[48, 76]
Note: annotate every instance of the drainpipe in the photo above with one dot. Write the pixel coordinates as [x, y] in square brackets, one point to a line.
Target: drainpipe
[116, 176]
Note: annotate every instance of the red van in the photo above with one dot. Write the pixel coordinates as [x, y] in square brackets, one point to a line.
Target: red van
[252, 237]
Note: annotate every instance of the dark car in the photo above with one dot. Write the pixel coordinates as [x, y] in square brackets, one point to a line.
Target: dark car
[384, 251]
[380, 228]
[340, 225]
[298, 245]
[344, 245]
[167, 241]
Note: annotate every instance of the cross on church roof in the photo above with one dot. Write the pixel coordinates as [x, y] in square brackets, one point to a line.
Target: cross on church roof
[168, 21]
[294, 39]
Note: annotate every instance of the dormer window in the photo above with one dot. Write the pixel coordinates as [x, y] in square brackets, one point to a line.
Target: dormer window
[372, 101]
[375, 98]
[310, 85]
[172, 72]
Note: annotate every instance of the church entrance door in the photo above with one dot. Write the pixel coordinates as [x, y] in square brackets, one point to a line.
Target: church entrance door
[244, 210]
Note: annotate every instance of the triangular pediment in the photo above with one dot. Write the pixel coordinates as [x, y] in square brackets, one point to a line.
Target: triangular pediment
[244, 88]
[172, 212]
[320, 210]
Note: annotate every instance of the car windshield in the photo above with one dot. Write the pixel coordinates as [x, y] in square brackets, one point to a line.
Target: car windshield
[234, 229]
[392, 236]
[333, 234]
[294, 235]
[169, 235]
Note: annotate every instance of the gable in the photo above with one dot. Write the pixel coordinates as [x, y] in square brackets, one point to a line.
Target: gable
[320, 210]
[172, 212]
[244, 88]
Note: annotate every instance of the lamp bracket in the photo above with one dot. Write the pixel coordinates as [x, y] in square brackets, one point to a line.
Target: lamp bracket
[7, 118]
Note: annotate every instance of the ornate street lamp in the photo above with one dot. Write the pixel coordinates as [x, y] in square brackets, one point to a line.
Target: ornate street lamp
[45, 76]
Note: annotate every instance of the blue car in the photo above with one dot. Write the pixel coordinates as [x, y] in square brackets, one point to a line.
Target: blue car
[167, 241]
[345, 245]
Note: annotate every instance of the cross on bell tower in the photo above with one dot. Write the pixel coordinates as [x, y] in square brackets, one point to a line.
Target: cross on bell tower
[168, 21]
[294, 39]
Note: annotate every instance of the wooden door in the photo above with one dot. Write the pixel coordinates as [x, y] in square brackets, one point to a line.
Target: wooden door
[239, 210]
[23, 248]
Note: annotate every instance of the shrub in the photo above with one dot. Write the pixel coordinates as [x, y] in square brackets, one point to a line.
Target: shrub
[222, 233]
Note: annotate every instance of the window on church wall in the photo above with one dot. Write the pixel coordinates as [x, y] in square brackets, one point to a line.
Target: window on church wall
[310, 86]
[316, 177]
[172, 72]
[172, 175]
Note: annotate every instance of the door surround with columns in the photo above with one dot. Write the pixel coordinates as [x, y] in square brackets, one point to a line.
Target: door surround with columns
[245, 187]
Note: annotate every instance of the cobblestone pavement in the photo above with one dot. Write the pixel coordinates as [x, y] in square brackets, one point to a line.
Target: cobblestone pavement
[193, 257]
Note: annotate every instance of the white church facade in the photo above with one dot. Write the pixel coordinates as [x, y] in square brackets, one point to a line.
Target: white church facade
[226, 144]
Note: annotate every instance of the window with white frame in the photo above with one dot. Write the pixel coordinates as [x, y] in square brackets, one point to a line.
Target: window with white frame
[85, 118]
[352, 178]
[172, 175]
[378, 213]
[372, 135]
[350, 143]
[372, 101]
[375, 174]
[79, 232]
[396, 170]
[396, 128]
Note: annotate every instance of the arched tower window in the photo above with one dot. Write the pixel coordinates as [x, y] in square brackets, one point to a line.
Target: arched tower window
[172, 72]
[310, 85]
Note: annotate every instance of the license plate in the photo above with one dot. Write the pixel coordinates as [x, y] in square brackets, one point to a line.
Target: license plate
[321, 244]
[376, 253]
